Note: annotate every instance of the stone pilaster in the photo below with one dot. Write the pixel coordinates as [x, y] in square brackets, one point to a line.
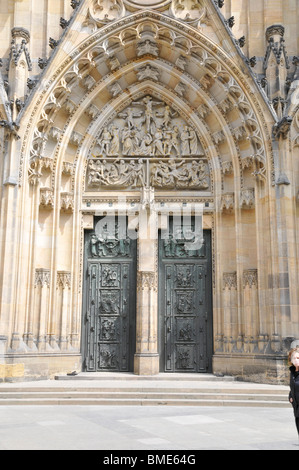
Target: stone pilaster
[42, 287]
[64, 287]
[146, 359]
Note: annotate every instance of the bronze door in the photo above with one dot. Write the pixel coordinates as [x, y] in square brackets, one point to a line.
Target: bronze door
[110, 302]
[185, 306]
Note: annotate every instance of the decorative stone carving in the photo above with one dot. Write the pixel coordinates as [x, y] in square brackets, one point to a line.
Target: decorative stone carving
[113, 63]
[115, 89]
[226, 105]
[218, 137]
[203, 110]
[247, 162]
[36, 168]
[181, 89]
[92, 111]
[190, 11]
[282, 128]
[227, 202]
[147, 280]
[89, 82]
[76, 138]
[133, 5]
[181, 62]
[116, 174]
[67, 201]
[46, 198]
[17, 48]
[55, 133]
[206, 81]
[149, 148]
[63, 279]
[181, 175]
[148, 128]
[67, 168]
[230, 281]
[104, 11]
[147, 46]
[70, 106]
[276, 65]
[42, 277]
[148, 72]
[239, 133]
[227, 168]
[250, 278]
[247, 198]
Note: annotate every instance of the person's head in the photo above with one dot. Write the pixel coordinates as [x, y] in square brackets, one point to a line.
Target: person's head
[294, 357]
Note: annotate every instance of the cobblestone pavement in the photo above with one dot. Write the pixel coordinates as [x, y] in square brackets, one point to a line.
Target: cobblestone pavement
[158, 428]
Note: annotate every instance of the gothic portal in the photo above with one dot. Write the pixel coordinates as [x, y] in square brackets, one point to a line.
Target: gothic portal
[149, 187]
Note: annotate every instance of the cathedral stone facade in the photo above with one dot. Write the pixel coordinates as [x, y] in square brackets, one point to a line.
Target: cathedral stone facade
[149, 162]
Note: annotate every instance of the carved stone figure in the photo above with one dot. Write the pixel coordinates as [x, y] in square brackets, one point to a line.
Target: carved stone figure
[106, 138]
[189, 142]
[181, 175]
[114, 147]
[116, 173]
[147, 47]
[148, 71]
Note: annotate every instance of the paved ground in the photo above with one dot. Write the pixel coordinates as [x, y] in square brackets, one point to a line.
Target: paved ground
[160, 428]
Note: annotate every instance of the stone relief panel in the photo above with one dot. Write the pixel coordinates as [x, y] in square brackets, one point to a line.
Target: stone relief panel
[148, 144]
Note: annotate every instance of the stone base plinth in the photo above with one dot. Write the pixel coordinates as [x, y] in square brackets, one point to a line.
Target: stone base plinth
[146, 364]
[253, 368]
[18, 368]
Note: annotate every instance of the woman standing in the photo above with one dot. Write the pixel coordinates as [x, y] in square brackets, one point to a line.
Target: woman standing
[294, 382]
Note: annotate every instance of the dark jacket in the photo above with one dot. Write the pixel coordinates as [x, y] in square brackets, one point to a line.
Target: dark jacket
[293, 391]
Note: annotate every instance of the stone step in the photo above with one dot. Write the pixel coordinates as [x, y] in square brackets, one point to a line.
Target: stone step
[129, 389]
[180, 388]
[181, 395]
[140, 402]
[140, 394]
[126, 376]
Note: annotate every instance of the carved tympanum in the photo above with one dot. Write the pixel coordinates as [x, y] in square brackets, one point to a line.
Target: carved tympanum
[148, 143]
